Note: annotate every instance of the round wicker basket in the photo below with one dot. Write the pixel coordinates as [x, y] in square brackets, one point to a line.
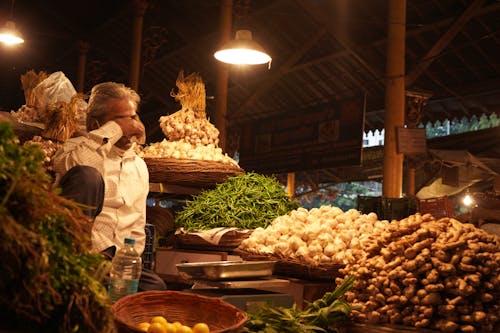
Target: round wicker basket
[183, 307]
[189, 172]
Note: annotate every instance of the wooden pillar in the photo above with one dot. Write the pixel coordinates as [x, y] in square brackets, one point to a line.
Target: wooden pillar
[140, 7]
[394, 98]
[415, 102]
[83, 48]
[290, 184]
[410, 180]
[220, 117]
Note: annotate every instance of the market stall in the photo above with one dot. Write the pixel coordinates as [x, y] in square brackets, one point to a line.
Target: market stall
[327, 268]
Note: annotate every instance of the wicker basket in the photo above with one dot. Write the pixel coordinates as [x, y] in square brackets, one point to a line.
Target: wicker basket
[186, 308]
[302, 271]
[189, 172]
[293, 268]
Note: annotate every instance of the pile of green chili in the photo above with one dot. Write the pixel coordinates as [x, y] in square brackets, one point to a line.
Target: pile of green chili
[245, 201]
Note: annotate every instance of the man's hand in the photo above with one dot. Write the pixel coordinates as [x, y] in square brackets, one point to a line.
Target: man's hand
[133, 131]
[131, 126]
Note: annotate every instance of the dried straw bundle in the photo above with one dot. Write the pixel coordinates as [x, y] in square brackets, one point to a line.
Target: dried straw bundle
[62, 119]
[30, 80]
[191, 93]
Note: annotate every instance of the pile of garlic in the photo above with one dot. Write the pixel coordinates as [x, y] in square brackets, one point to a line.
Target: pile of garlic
[48, 147]
[324, 235]
[189, 126]
[185, 150]
[26, 114]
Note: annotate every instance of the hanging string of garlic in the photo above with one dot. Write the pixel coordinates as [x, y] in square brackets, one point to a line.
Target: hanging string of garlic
[190, 93]
[29, 81]
[190, 124]
[62, 119]
[28, 112]
[185, 126]
[189, 133]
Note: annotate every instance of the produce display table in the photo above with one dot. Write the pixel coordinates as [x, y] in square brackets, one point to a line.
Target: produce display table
[301, 290]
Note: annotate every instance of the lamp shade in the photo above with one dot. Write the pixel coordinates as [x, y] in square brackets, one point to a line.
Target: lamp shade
[242, 50]
[10, 35]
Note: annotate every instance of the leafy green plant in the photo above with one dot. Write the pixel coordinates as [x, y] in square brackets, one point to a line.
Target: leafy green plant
[326, 314]
[49, 280]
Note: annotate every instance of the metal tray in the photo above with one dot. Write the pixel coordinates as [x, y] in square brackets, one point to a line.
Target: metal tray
[225, 270]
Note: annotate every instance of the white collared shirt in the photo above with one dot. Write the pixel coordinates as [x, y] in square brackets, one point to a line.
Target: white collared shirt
[126, 180]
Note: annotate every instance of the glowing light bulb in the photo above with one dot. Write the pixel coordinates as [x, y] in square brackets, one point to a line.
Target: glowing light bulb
[467, 200]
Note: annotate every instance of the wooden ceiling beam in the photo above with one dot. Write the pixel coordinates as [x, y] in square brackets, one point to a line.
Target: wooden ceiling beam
[443, 42]
[321, 15]
[278, 74]
[438, 82]
[410, 33]
[492, 62]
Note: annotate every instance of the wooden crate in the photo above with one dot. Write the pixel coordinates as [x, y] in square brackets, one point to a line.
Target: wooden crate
[438, 207]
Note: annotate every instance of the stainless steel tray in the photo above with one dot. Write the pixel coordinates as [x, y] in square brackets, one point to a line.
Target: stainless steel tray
[225, 270]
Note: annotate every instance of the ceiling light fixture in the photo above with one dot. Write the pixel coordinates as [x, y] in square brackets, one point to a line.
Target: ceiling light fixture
[9, 34]
[468, 199]
[243, 50]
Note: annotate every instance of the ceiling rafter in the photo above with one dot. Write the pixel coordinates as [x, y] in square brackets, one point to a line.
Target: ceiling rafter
[443, 42]
[474, 45]
[409, 33]
[319, 14]
[494, 64]
[280, 72]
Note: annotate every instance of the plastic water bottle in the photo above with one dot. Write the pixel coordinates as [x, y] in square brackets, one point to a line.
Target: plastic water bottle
[126, 268]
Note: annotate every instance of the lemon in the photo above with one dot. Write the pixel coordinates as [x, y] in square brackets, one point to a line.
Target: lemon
[159, 319]
[201, 328]
[177, 325]
[184, 329]
[170, 328]
[157, 328]
[144, 326]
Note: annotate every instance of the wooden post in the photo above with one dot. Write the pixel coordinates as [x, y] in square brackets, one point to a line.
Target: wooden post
[140, 7]
[394, 98]
[290, 184]
[415, 102]
[410, 179]
[83, 48]
[220, 117]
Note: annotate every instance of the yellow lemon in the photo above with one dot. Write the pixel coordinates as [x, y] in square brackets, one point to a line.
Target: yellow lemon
[170, 328]
[201, 328]
[144, 326]
[184, 329]
[159, 319]
[157, 328]
[177, 325]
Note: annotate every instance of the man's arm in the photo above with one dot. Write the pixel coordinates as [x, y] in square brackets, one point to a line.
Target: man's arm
[90, 150]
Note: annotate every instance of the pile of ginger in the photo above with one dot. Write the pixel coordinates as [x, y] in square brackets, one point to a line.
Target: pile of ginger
[427, 273]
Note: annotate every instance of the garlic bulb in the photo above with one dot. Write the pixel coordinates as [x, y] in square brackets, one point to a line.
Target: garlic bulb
[317, 236]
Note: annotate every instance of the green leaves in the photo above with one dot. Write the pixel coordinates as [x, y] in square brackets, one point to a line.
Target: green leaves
[245, 201]
[48, 278]
[323, 315]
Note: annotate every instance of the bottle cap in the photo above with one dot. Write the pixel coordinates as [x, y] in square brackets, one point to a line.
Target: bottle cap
[129, 240]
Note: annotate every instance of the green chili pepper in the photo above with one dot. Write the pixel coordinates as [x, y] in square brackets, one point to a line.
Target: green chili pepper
[246, 201]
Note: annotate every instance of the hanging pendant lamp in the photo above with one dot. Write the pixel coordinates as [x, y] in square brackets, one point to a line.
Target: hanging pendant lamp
[243, 50]
[10, 35]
